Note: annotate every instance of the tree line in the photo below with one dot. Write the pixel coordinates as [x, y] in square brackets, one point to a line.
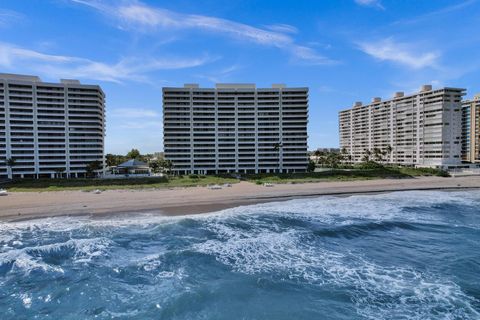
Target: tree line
[157, 164]
[330, 159]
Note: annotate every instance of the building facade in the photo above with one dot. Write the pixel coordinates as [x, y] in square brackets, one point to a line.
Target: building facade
[423, 129]
[471, 130]
[49, 129]
[235, 128]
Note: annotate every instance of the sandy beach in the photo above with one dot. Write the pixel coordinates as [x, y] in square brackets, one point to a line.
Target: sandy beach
[182, 201]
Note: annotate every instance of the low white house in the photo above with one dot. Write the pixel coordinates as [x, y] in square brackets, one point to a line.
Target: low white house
[131, 168]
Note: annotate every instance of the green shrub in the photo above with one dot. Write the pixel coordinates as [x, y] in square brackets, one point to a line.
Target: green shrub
[434, 172]
[443, 173]
[193, 176]
[423, 171]
[370, 165]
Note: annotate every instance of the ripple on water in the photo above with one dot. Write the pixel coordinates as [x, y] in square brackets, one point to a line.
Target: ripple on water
[405, 255]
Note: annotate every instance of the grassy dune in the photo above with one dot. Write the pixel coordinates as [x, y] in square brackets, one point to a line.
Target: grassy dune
[199, 180]
[346, 175]
[113, 184]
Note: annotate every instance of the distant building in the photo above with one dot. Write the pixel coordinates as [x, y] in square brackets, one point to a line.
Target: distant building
[158, 155]
[471, 130]
[332, 150]
[421, 129]
[314, 156]
[235, 128]
[49, 129]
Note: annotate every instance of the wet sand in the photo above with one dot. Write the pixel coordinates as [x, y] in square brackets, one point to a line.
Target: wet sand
[183, 201]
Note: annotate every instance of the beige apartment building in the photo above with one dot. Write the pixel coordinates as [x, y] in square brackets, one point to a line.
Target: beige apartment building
[471, 130]
[49, 129]
[235, 128]
[423, 129]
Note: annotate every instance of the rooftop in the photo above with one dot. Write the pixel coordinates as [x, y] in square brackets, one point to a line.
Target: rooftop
[234, 86]
[239, 86]
[401, 95]
[30, 78]
[19, 77]
[133, 163]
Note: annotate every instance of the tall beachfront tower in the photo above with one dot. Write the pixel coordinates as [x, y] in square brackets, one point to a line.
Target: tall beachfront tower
[235, 128]
[423, 129]
[471, 130]
[49, 129]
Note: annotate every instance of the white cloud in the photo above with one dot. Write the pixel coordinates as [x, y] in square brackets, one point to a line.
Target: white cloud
[370, 3]
[58, 66]
[146, 16]
[221, 75]
[281, 27]
[137, 16]
[307, 54]
[437, 13]
[8, 17]
[401, 53]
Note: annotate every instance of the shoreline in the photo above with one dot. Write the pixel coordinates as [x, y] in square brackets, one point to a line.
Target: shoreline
[196, 200]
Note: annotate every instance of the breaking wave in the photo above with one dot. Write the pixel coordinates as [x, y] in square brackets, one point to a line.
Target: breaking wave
[403, 255]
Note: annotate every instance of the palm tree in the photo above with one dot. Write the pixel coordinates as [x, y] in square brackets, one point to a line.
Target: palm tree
[10, 162]
[342, 155]
[345, 155]
[388, 151]
[378, 155]
[349, 158]
[92, 167]
[154, 165]
[112, 160]
[333, 159]
[317, 154]
[324, 160]
[366, 155]
[276, 147]
[168, 165]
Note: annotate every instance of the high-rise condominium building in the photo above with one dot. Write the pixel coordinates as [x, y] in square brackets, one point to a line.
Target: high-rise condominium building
[422, 129]
[49, 129]
[471, 130]
[235, 128]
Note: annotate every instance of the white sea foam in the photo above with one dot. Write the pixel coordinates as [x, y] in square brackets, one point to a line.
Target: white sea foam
[249, 244]
[250, 241]
[150, 262]
[24, 259]
[26, 300]
[379, 292]
[374, 207]
[325, 208]
[66, 224]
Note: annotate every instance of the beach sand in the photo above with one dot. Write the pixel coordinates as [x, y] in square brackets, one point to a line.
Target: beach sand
[183, 201]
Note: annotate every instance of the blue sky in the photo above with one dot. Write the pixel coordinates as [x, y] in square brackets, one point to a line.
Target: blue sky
[344, 51]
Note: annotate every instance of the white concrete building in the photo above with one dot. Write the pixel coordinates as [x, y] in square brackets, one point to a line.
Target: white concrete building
[235, 128]
[423, 129]
[471, 130]
[49, 129]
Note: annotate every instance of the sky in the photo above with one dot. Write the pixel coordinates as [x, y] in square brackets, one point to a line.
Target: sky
[343, 50]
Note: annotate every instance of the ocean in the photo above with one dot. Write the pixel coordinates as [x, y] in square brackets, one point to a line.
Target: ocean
[401, 255]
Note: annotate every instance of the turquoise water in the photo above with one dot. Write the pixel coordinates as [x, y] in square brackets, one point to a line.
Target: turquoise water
[405, 255]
